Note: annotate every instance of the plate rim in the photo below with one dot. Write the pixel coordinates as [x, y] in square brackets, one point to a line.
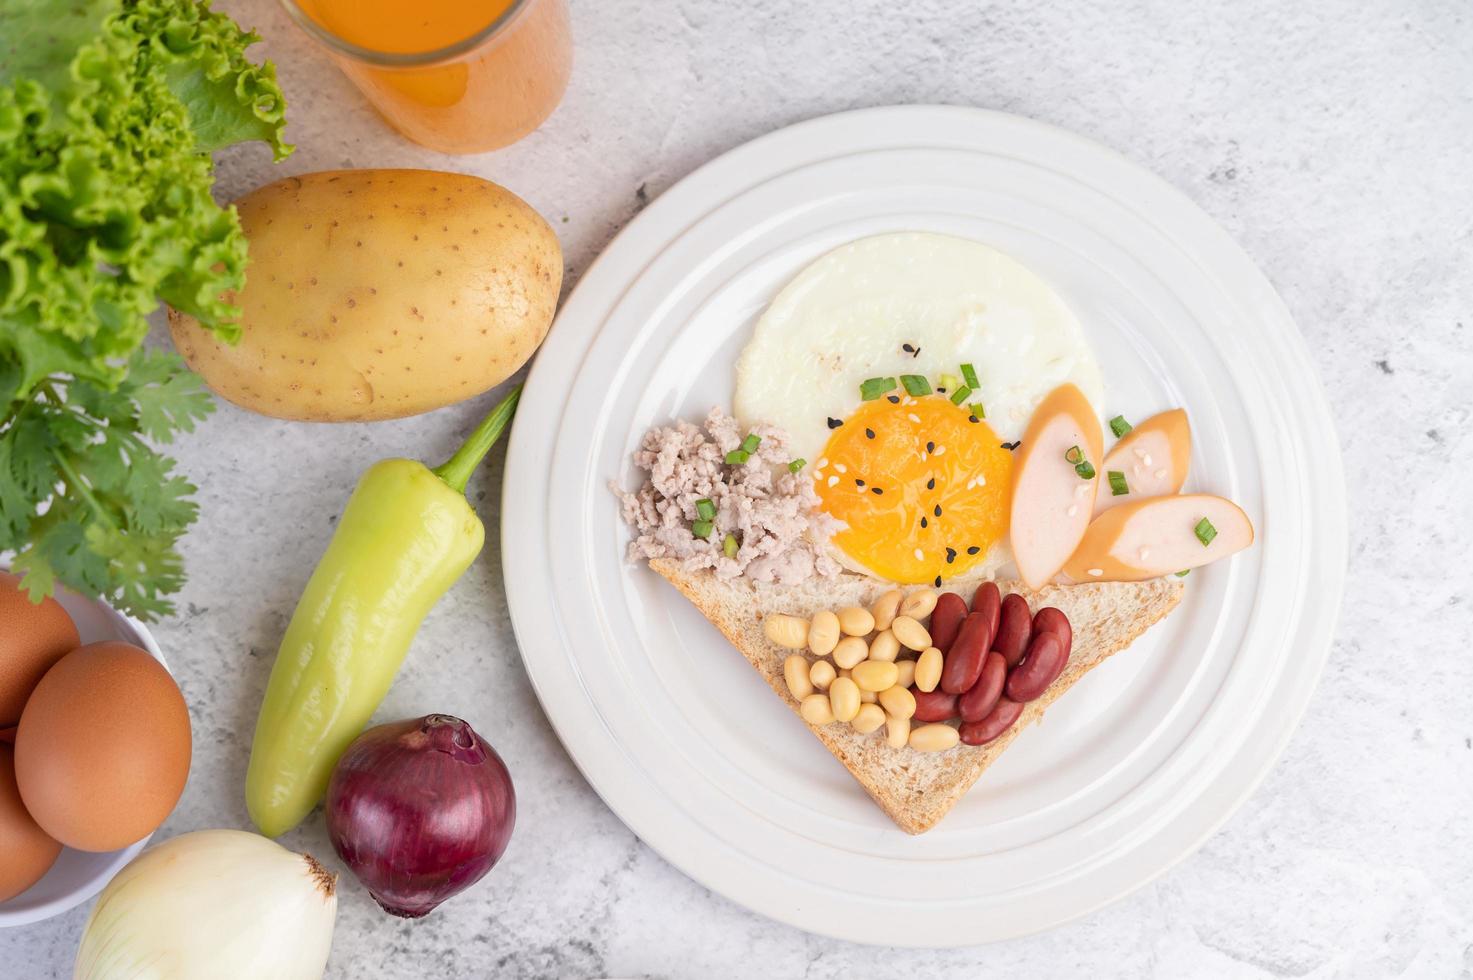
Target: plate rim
[1331, 539]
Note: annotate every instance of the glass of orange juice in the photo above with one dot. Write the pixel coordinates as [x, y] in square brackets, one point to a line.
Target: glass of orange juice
[459, 76]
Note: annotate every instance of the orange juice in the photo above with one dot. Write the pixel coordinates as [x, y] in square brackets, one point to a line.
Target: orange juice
[459, 76]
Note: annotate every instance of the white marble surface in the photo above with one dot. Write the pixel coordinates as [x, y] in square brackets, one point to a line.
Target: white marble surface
[1334, 139]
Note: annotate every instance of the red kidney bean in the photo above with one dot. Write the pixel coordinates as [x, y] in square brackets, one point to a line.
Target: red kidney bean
[1001, 718]
[946, 620]
[964, 663]
[988, 602]
[1051, 620]
[934, 705]
[982, 696]
[1045, 661]
[1014, 628]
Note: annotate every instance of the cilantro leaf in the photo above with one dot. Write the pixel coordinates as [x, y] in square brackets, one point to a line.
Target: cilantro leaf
[109, 110]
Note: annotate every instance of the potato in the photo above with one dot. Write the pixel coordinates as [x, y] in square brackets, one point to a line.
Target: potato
[376, 294]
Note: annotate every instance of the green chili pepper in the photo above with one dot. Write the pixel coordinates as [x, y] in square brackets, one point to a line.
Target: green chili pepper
[406, 535]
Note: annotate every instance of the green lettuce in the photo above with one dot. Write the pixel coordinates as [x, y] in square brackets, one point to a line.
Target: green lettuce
[109, 110]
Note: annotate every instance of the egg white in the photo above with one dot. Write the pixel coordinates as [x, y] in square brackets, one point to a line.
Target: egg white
[847, 316]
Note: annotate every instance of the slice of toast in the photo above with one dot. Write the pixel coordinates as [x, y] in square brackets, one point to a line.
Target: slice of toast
[917, 789]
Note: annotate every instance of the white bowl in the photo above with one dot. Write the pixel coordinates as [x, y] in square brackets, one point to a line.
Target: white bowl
[78, 875]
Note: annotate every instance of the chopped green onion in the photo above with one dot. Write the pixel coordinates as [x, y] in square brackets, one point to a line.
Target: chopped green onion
[915, 384]
[702, 529]
[1205, 531]
[978, 411]
[750, 444]
[873, 388]
[1118, 486]
[969, 375]
[705, 510]
[1184, 573]
[737, 457]
[1085, 470]
[797, 465]
[1119, 426]
[948, 381]
[961, 395]
[1074, 455]
[729, 546]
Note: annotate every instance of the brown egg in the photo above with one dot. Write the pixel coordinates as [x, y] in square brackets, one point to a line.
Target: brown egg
[32, 638]
[29, 853]
[102, 751]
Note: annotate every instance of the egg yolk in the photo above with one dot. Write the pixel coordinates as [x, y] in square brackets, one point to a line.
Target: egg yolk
[923, 488]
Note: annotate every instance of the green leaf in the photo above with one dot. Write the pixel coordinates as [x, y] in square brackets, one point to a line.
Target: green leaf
[16, 504]
[156, 500]
[145, 568]
[108, 112]
[168, 396]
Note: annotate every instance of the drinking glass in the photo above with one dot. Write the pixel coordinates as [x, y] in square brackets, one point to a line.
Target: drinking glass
[453, 75]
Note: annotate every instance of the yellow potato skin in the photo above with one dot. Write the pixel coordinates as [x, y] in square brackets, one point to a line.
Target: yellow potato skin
[377, 294]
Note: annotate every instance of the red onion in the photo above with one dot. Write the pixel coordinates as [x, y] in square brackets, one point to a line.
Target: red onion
[420, 810]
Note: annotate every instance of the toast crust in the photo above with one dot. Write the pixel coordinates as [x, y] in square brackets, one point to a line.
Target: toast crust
[917, 789]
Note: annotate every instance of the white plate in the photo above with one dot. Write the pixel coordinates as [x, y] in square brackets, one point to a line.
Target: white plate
[1145, 757]
[78, 875]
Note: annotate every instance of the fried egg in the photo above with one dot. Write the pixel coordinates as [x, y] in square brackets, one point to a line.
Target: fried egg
[922, 484]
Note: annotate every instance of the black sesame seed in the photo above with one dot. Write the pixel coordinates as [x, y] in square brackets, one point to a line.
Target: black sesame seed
[930, 447]
[1011, 445]
[938, 581]
[835, 423]
[870, 433]
[858, 482]
[893, 399]
[931, 483]
[916, 352]
[876, 491]
[923, 522]
[937, 511]
[950, 555]
[971, 418]
[973, 550]
[907, 348]
[940, 391]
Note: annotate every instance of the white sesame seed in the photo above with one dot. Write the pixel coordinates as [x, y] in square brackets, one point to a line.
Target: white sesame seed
[1145, 553]
[833, 481]
[981, 481]
[1097, 572]
[1140, 453]
[1081, 490]
[840, 468]
[914, 417]
[1146, 459]
[1161, 473]
[920, 555]
[939, 450]
[823, 462]
[1073, 509]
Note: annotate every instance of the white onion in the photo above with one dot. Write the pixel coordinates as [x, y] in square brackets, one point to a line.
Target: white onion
[214, 903]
